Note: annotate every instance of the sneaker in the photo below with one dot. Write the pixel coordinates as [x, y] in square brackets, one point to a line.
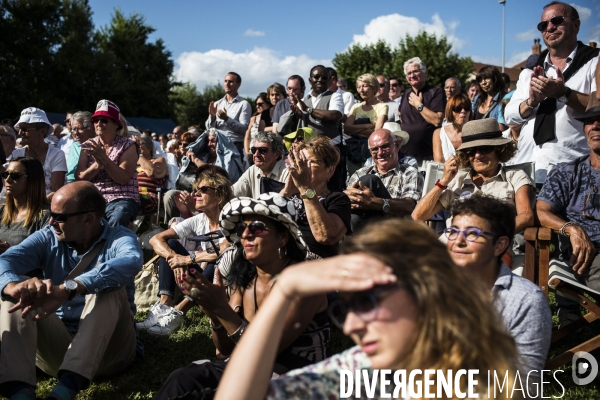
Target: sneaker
[156, 311]
[168, 323]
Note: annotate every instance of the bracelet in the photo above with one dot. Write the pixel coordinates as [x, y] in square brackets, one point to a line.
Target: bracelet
[438, 184]
[215, 328]
[235, 336]
[562, 231]
[528, 105]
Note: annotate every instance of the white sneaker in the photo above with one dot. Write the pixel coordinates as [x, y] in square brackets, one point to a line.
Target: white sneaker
[168, 322]
[156, 311]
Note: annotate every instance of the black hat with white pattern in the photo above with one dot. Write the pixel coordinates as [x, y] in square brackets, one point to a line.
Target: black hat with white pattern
[271, 205]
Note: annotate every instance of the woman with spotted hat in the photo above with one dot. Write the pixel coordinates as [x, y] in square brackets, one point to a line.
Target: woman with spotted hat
[268, 240]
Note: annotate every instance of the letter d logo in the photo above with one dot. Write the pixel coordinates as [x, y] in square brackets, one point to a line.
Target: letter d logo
[584, 364]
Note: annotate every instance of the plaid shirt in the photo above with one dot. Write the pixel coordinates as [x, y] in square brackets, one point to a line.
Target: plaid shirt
[403, 182]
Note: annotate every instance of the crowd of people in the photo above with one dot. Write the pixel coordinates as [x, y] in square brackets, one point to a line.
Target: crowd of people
[304, 213]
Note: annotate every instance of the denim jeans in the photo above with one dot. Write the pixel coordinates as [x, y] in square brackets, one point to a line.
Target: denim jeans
[121, 211]
[166, 277]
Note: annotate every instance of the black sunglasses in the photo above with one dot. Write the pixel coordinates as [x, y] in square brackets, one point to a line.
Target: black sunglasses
[319, 77]
[256, 228]
[481, 150]
[261, 150]
[461, 107]
[57, 217]
[204, 189]
[556, 21]
[15, 176]
[364, 304]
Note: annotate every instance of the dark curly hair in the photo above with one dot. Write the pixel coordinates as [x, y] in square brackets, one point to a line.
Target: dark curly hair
[504, 152]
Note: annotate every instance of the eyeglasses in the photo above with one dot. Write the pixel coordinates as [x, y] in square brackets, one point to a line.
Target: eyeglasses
[364, 304]
[261, 150]
[461, 107]
[262, 103]
[593, 192]
[204, 189]
[79, 129]
[556, 21]
[381, 84]
[319, 77]
[102, 120]
[15, 176]
[256, 228]
[384, 148]
[416, 71]
[57, 217]
[481, 150]
[471, 234]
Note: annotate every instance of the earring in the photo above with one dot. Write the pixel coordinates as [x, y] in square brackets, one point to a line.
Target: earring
[281, 257]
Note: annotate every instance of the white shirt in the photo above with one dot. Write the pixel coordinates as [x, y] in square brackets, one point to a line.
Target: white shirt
[570, 142]
[65, 143]
[249, 183]
[194, 226]
[238, 111]
[335, 104]
[348, 100]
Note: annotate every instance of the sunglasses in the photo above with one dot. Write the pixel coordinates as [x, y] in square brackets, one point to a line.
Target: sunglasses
[261, 150]
[102, 120]
[459, 108]
[15, 176]
[471, 234]
[481, 150]
[57, 217]
[393, 84]
[556, 21]
[319, 77]
[262, 103]
[256, 228]
[364, 304]
[204, 189]
[381, 85]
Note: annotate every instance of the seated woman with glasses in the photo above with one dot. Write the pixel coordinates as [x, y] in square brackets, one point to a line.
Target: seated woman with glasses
[263, 104]
[25, 210]
[212, 192]
[448, 138]
[401, 301]
[268, 241]
[323, 216]
[480, 156]
[481, 232]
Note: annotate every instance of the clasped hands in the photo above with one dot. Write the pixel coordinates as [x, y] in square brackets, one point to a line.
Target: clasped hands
[37, 295]
[362, 198]
[212, 110]
[541, 86]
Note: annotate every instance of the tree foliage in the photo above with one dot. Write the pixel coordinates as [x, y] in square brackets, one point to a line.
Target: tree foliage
[191, 106]
[381, 59]
[52, 57]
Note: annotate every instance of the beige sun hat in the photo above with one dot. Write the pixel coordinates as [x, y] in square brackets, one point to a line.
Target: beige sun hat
[482, 132]
[397, 131]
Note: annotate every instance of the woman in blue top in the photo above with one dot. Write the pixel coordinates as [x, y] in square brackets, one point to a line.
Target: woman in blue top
[488, 104]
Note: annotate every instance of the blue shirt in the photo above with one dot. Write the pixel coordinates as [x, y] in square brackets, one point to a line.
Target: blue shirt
[495, 110]
[115, 266]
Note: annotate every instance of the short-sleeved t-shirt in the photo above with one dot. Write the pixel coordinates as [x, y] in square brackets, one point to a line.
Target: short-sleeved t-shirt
[195, 226]
[373, 114]
[55, 162]
[566, 189]
[420, 131]
[334, 203]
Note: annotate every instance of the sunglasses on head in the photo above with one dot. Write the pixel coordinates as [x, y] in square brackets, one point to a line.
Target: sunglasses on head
[480, 149]
[556, 21]
[57, 217]
[15, 176]
[204, 189]
[261, 150]
[256, 228]
[364, 304]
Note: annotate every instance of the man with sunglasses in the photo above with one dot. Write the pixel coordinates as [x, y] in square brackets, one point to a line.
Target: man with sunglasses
[383, 96]
[569, 203]
[267, 150]
[396, 89]
[481, 232]
[80, 323]
[550, 96]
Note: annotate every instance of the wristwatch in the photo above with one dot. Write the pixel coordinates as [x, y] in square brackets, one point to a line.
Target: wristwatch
[565, 97]
[386, 206]
[309, 111]
[309, 194]
[193, 257]
[71, 286]
[420, 108]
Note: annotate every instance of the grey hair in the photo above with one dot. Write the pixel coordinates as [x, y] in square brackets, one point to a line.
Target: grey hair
[271, 138]
[415, 61]
[455, 80]
[343, 82]
[86, 116]
[9, 131]
[149, 143]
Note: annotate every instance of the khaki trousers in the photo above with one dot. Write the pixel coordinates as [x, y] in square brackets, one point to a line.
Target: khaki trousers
[104, 344]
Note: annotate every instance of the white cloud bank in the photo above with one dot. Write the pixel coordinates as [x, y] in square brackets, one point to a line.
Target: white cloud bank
[252, 32]
[584, 12]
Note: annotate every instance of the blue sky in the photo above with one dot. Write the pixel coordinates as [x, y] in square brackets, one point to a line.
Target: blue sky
[266, 41]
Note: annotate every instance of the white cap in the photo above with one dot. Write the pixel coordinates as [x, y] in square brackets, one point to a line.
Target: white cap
[32, 115]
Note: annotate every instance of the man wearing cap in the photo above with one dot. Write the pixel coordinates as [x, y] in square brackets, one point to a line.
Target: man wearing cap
[77, 321]
[33, 127]
[570, 204]
[231, 114]
[109, 161]
[387, 186]
[550, 96]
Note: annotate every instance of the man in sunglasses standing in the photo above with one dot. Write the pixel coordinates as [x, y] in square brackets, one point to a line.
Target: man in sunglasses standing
[383, 95]
[79, 317]
[550, 96]
[569, 203]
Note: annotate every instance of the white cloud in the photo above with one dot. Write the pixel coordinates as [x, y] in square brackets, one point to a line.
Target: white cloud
[252, 32]
[259, 68]
[584, 12]
[393, 27]
[594, 34]
[528, 36]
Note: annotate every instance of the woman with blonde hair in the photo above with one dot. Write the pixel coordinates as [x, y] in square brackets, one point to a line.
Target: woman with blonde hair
[369, 115]
[403, 302]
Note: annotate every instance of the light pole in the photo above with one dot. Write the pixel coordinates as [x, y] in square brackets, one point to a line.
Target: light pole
[503, 2]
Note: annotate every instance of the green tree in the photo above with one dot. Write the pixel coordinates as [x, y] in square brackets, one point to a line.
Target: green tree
[191, 106]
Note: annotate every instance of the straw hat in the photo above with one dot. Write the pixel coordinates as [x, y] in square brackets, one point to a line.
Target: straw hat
[592, 109]
[394, 127]
[482, 132]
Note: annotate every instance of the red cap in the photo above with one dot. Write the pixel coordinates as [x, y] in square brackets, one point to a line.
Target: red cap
[107, 108]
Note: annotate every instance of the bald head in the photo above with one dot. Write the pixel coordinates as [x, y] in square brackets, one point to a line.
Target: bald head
[381, 134]
[384, 150]
[81, 196]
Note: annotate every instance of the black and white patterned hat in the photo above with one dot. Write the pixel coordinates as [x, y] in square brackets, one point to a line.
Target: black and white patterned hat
[271, 205]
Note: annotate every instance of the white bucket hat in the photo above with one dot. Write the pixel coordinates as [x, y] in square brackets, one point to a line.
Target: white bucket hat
[32, 115]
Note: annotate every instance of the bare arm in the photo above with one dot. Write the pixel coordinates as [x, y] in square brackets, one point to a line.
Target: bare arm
[380, 121]
[156, 169]
[159, 243]
[430, 204]
[327, 228]
[121, 173]
[83, 172]
[438, 154]
[524, 217]
[248, 136]
[327, 115]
